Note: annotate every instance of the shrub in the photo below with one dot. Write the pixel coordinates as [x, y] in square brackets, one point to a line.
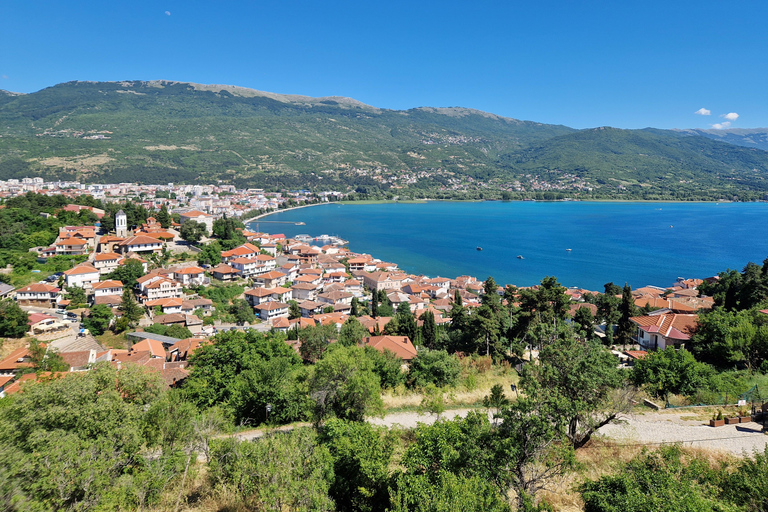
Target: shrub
[436, 367]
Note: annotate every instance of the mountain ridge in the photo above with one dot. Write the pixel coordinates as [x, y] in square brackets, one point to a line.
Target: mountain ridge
[160, 131]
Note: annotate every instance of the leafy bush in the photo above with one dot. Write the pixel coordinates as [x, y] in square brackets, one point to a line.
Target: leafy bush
[282, 471]
[434, 367]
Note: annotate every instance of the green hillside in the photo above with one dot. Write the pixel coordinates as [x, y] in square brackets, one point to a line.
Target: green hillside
[647, 163]
[158, 132]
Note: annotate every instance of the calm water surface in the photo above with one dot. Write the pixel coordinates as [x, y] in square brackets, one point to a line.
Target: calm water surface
[637, 243]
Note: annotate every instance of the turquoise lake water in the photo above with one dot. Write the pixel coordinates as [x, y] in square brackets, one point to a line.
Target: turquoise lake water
[637, 243]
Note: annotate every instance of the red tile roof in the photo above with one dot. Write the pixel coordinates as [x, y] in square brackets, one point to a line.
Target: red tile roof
[401, 346]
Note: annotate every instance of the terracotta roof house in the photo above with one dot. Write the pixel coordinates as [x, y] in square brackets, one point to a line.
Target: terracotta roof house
[270, 310]
[401, 346]
[657, 332]
[190, 276]
[38, 295]
[106, 262]
[224, 272]
[270, 279]
[82, 276]
[108, 288]
[140, 244]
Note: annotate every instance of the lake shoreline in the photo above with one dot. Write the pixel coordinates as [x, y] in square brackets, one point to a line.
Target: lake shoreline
[583, 243]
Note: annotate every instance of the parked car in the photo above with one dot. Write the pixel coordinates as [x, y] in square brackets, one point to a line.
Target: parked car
[71, 315]
[61, 311]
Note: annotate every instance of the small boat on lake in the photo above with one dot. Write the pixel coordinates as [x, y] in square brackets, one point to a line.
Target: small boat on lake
[479, 248]
[568, 250]
[520, 257]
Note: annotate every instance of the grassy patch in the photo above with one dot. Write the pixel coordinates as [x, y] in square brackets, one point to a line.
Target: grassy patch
[112, 340]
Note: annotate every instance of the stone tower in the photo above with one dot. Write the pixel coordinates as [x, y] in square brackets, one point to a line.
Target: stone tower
[121, 224]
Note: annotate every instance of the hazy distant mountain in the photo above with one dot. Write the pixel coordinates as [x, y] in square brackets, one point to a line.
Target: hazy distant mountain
[160, 131]
[747, 137]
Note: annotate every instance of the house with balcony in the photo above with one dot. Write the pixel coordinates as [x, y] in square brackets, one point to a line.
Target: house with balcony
[270, 310]
[191, 276]
[106, 262]
[246, 250]
[71, 246]
[270, 279]
[38, 295]
[335, 297]
[103, 288]
[245, 267]
[140, 244]
[657, 332]
[161, 288]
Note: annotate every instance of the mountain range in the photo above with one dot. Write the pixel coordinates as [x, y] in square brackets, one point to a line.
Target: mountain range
[163, 131]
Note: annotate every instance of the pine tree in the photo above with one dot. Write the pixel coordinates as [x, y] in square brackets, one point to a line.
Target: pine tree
[627, 310]
[163, 217]
[128, 308]
[429, 330]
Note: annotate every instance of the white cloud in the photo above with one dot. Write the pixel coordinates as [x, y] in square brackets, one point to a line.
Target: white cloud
[731, 116]
[167, 13]
[721, 126]
[703, 112]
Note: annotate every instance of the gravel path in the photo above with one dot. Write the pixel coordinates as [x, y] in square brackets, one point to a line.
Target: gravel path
[669, 427]
[653, 428]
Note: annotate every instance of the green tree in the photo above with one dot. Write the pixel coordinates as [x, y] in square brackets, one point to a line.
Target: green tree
[243, 372]
[129, 309]
[128, 273]
[282, 471]
[731, 338]
[97, 322]
[608, 309]
[163, 217]
[374, 305]
[541, 311]
[344, 385]
[670, 371]
[45, 359]
[429, 330]
[584, 322]
[434, 367]
[658, 481]
[533, 449]
[96, 440]
[76, 295]
[242, 311]
[294, 311]
[580, 380]
[362, 454]
[388, 366]
[488, 324]
[315, 341]
[352, 332]
[210, 254]
[13, 320]
[627, 310]
[496, 400]
[193, 231]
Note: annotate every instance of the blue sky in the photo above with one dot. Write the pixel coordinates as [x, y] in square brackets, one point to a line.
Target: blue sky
[578, 63]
